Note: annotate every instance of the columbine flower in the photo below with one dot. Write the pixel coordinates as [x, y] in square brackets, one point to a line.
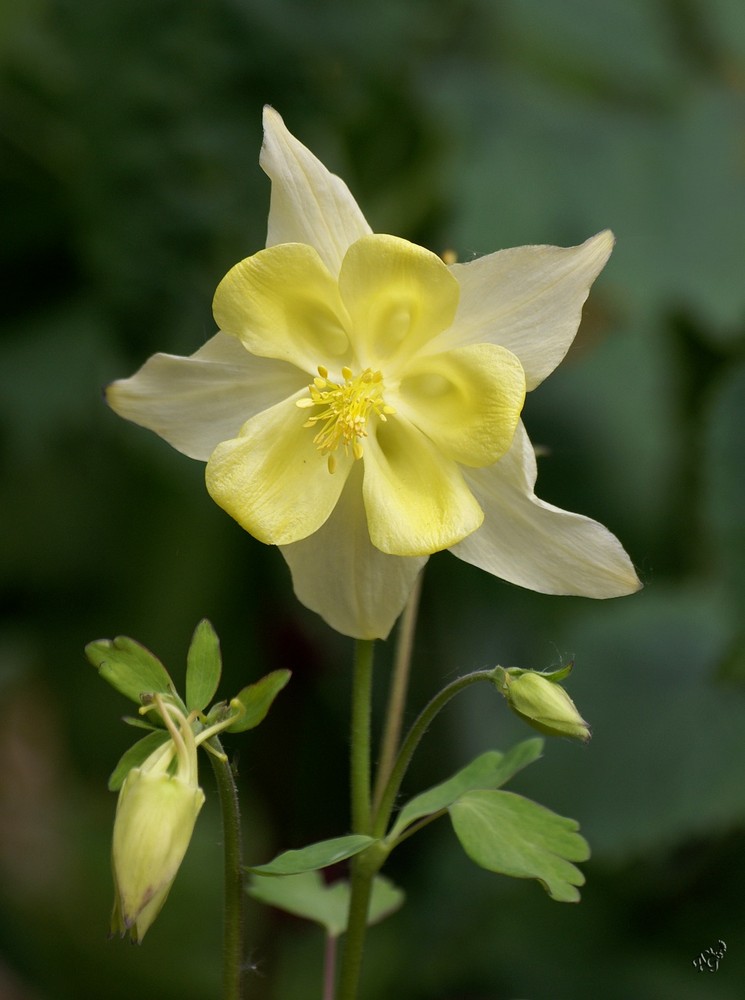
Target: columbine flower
[360, 405]
[155, 816]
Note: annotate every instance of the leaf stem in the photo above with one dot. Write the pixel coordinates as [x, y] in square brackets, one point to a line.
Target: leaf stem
[413, 738]
[233, 902]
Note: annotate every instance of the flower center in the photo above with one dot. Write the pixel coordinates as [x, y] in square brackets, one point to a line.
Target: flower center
[346, 407]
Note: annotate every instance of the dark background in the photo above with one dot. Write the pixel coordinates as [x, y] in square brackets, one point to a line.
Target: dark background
[129, 134]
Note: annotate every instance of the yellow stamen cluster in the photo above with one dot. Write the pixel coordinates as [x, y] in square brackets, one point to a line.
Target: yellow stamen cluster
[346, 409]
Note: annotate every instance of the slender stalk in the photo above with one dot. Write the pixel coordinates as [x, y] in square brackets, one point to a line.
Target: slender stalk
[360, 735]
[234, 895]
[397, 697]
[329, 967]
[413, 737]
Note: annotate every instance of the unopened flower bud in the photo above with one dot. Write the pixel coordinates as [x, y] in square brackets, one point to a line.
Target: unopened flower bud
[155, 818]
[542, 702]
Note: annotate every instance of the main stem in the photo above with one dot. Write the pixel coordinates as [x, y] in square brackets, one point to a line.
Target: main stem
[362, 875]
[233, 873]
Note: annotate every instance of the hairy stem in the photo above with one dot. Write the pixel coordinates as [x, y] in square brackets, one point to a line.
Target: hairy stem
[413, 737]
[234, 895]
[354, 941]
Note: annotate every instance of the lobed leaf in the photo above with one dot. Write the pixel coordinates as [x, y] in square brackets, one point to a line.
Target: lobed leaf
[129, 667]
[511, 835]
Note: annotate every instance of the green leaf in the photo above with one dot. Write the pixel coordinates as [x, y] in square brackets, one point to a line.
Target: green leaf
[137, 754]
[509, 834]
[203, 667]
[306, 895]
[138, 723]
[491, 770]
[254, 701]
[129, 667]
[320, 855]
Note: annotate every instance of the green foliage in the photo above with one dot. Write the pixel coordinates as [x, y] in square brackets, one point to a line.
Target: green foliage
[134, 756]
[509, 834]
[137, 673]
[129, 667]
[307, 895]
[203, 667]
[130, 186]
[491, 770]
[315, 856]
[253, 702]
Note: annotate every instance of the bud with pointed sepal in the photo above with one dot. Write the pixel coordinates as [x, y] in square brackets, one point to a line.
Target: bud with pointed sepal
[540, 701]
[155, 816]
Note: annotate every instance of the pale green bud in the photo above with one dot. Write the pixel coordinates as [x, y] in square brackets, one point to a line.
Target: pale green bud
[542, 702]
[155, 818]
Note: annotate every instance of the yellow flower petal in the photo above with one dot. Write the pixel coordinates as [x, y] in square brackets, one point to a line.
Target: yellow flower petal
[309, 204]
[416, 500]
[398, 297]
[283, 303]
[338, 573]
[272, 478]
[467, 401]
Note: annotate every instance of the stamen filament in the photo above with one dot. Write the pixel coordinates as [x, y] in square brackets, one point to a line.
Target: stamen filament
[346, 408]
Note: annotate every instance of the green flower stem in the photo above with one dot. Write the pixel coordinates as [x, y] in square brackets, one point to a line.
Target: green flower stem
[360, 735]
[329, 967]
[399, 687]
[233, 867]
[413, 737]
[363, 873]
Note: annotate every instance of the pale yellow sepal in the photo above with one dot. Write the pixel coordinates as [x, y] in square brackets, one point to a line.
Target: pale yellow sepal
[308, 204]
[528, 299]
[338, 573]
[533, 543]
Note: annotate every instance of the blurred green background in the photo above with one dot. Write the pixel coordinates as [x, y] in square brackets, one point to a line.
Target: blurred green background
[130, 134]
